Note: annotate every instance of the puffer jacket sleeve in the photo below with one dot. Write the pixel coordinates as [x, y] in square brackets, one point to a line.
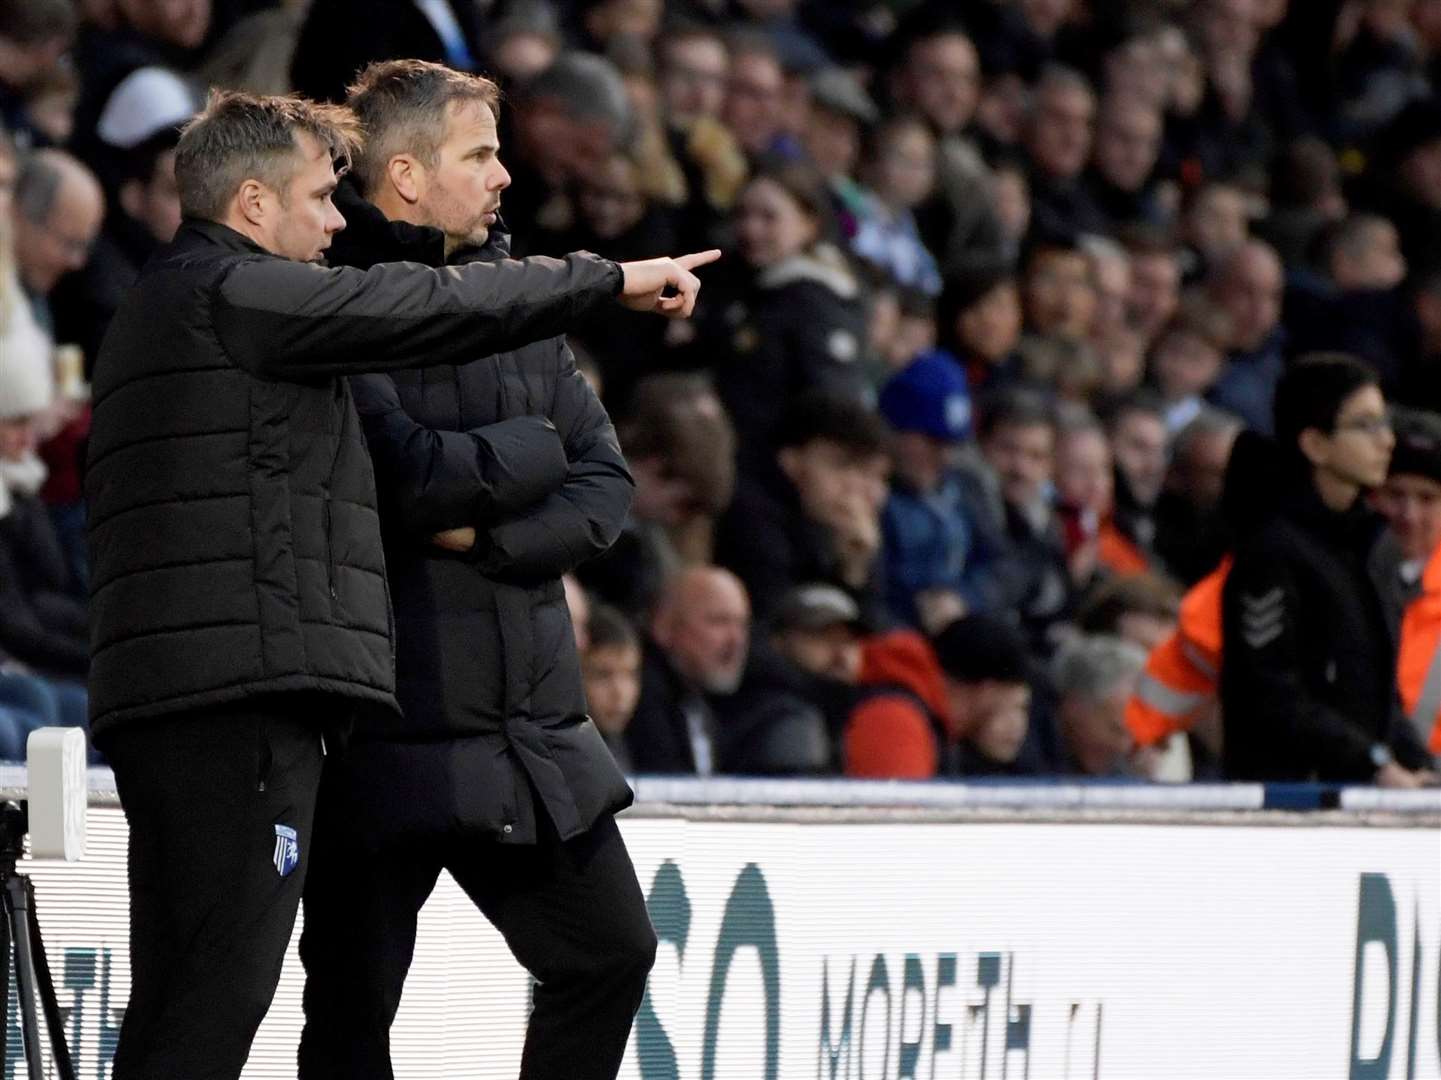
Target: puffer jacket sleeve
[446, 479]
[287, 320]
[584, 516]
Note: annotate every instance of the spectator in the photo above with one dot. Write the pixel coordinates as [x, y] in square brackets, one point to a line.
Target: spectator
[1306, 197]
[753, 103]
[681, 450]
[1411, 497]
[58, 207]
[1247, 286]
[814, 516]
[1191, 533]
[340, 37]
[42, 614]
[798, 687]
[937, 75]
[523, 42]
[958, 707]
[610, 666]
[1405, 182]
[1018, 439]
[1358, 308]
[1187, 359]
[841, 112]
[1155, 282]
[694, 73]
[1011, 193]
[1128, 144]
[938, 558]
[900, 171]
[785, 315]
[58, 210]
[697, 648]
[1312, 605]
[1095, 677]
[618, 218]
[1136, 427]
[1214, 225]
[567, 122]
[1059, 292]
[1139, 608]
[140, 127]
[34, 35]
[978, 320]
[1085, 490]
[1058, 139]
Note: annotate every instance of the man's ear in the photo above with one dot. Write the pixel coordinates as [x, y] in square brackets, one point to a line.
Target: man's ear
[253, 200]
[406, 176]
[1316, 445]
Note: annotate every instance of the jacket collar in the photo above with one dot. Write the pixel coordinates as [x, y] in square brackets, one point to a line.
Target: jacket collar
[195, 234]
[369, 237]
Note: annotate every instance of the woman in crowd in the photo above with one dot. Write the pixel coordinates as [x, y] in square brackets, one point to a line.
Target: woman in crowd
[788, 315]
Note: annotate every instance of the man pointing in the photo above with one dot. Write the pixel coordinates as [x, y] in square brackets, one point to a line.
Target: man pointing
[239, 609]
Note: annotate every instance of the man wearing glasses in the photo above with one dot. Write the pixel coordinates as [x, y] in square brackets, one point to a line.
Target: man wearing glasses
[1312, 607]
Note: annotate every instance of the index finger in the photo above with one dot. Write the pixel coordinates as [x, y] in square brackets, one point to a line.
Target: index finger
[699, 258]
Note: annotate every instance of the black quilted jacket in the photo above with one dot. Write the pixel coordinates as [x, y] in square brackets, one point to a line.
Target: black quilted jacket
[235, 547]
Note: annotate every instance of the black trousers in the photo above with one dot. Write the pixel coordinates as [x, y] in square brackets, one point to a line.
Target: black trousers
[571, 911]
[220, 807]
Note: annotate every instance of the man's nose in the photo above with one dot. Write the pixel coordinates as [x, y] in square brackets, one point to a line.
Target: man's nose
[335, 221]
[502, 180]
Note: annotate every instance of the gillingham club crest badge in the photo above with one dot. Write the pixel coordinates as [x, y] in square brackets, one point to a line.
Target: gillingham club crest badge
[287, 850]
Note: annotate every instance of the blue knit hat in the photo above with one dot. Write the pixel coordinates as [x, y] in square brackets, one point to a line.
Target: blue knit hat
[930, 396]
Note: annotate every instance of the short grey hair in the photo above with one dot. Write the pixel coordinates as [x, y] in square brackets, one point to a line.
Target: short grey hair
[1094, 666]
[402, 106]
[1209, 421]
[239, 137]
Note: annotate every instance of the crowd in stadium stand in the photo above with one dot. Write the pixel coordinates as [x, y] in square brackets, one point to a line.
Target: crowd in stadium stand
[921, 489]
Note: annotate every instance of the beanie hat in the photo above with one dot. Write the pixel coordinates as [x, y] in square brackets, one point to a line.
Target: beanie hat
[930, 396]
[1418, 445]
[983, 648]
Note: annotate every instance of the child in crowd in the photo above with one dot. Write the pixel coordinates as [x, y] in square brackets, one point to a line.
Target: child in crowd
[611, 670]
[1188, 358]
[900, 169]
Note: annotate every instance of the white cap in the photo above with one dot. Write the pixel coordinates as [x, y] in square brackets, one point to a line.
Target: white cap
[146, 102]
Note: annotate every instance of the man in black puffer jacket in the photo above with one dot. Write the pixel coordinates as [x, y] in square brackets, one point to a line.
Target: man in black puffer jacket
[239, 607]
[494, 480]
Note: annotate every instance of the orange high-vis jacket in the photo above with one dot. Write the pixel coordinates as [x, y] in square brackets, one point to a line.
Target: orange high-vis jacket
[1419, 666]
[1179, 682]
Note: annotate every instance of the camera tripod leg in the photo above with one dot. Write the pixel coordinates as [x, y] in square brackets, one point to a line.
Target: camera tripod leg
[17, 908]
[45, 983]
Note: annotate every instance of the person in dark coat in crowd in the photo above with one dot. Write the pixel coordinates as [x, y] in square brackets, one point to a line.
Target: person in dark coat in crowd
[1311, 609]
[1017, 435]
[816, 514]
[787, 315]
[239, 610]
[1248, 286]
[340, 37]
[139, 130]
[494, 479]
[695, 650]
